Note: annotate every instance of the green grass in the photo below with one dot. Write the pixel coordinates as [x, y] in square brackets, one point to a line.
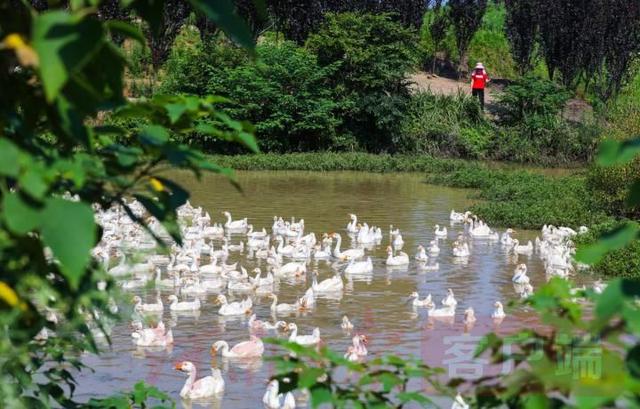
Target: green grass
[624, 262]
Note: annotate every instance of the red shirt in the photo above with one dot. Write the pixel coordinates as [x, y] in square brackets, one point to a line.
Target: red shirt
[479, 80]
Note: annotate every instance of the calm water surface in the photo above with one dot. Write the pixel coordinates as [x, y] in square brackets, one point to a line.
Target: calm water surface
[377, 305]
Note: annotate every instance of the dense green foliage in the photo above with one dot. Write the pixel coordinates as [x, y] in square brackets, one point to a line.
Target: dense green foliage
[445, 125]
[623, 262]
[372, 55]
[57, 166]
[525, 199]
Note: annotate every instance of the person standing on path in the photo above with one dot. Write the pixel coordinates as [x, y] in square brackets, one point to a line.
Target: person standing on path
[479, 80]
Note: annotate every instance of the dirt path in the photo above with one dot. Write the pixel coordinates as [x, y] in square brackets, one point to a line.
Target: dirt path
[422, 81]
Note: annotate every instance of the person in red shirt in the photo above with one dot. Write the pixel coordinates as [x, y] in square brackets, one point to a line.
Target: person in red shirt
[479, 80]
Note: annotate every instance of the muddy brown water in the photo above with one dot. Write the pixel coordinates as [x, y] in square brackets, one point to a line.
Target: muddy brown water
[377, 305]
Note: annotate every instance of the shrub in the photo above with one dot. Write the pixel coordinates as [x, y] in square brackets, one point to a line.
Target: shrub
[624, 262]
[532, 96]
[285, 95]
[610, 188]
[524, 199]
[444, 125]
[373, 54]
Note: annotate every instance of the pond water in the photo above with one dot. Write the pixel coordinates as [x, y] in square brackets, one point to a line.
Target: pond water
[377, 305]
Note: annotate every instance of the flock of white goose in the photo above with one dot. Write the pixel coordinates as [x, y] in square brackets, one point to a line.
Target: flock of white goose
[198, 267]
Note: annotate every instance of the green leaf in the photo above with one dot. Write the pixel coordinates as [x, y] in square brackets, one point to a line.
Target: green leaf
[610, 301]
[9, 165]
[414, 397]
[320, 395]
[32, 183]
[613, 240]
[614, 152]
[222, 13]
[64, 44]
[126, 30]
[175, 111]
[19, 216]
[309, 377]
[68, 228]
[154, 135]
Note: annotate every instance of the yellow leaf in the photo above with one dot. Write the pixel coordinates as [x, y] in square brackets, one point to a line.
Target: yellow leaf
[156, 185]
[9, 296]
[25, 54]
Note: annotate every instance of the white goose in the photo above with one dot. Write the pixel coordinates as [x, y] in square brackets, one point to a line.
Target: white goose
[234, 308]
[346, 324]
[417, 302]
[273, 399]
[520, 274]
[155, 307]
[292, 268]
[183, 305]
[440, 233]
[312, 339]
[459, 403]
[469, 316]
[359, 267]
[433, 248]
[400, 259]
[257, 325]
[447, 311]
[461, 249]
[282, 308]
[347, 254]
[458, 217]
[498, 312]
[450, 300]
[207, 387]
[421, 255]
[522, 249]
[329, 285]
[254, 348]
[234, 224]
[352, 227]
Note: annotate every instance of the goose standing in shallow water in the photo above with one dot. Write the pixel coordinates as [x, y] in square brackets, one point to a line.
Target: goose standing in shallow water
[207, 387]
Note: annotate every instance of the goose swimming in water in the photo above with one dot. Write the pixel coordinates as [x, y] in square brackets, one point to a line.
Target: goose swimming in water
[417, 302]
[207, 387]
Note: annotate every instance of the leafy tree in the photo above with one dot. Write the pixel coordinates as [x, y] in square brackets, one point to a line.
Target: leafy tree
[162, 37]
[522, 29]
[58, 163]
[438, 31]
[466, 17]
[372, 54]
[297, 19]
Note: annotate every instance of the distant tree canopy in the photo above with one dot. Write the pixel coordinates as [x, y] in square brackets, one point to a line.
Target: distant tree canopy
[594, 41]
[466, 17]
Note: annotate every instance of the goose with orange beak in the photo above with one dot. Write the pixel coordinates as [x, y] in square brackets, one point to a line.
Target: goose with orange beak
[207, 387]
